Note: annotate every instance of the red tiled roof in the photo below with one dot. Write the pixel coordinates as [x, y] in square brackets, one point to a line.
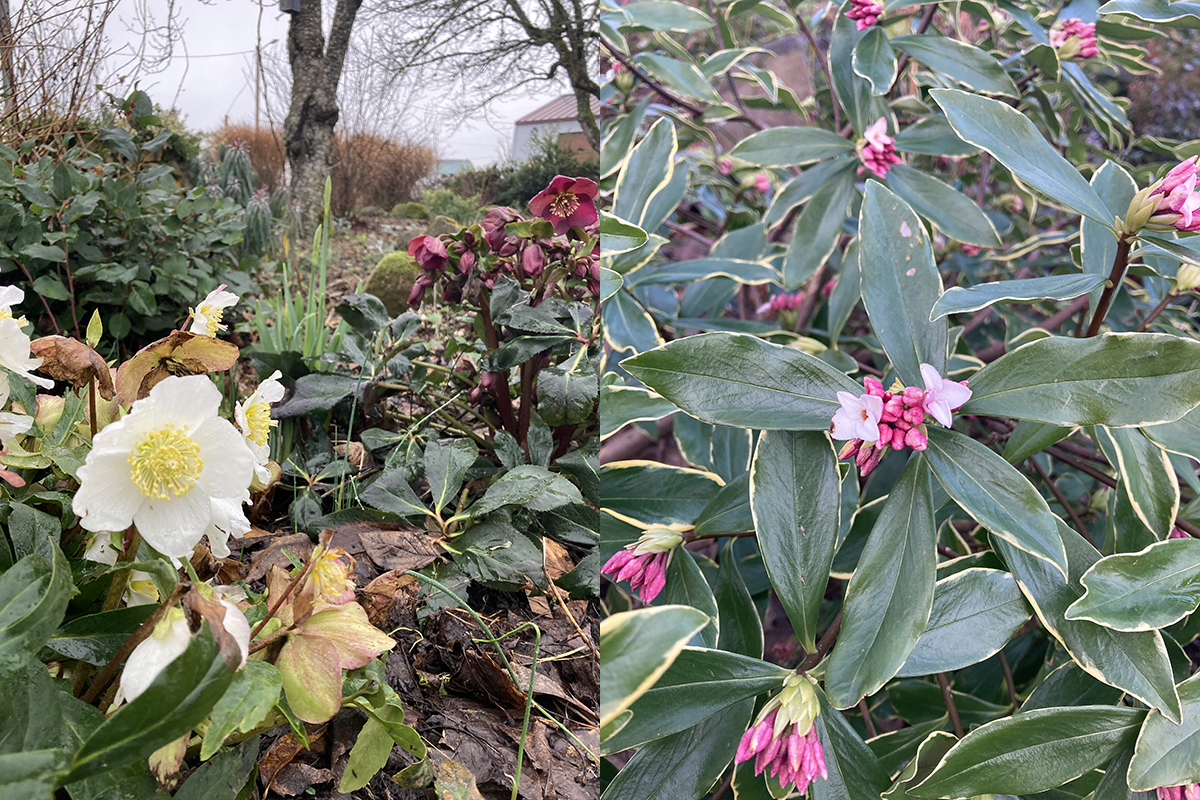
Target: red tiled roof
[560, 109]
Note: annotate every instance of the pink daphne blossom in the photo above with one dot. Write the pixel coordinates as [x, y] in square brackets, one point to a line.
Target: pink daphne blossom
[644, 563]
[865, 13]
[1188, 791]
[1074, 38]
[858, 418]
[942, 396]
[784, 741]
[878, 150]
[1178, 203]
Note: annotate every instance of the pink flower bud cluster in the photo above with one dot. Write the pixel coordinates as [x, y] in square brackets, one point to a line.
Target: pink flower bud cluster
[865, 13]
[899, 424]
[788, 301]
[878, 150]
[1074, 38]
[762, 183]
[792, 756]
[647, 573]
[1177, 534]
[1188, 791]
[1178, 203]
[725, 166]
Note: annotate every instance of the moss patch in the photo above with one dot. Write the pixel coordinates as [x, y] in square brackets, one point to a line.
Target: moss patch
[392, 280]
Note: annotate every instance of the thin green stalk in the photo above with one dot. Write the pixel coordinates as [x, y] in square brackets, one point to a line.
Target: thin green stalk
[537, 648]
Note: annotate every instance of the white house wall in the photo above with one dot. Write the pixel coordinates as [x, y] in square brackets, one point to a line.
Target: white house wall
[523, 135]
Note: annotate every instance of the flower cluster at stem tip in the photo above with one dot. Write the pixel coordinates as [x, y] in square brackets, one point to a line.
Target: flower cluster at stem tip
[783, 740]
[865, 13]
[644, 563]
[1188, 791]
[1172, 202]
[878, 150]
[876, 420]
[1074, 38]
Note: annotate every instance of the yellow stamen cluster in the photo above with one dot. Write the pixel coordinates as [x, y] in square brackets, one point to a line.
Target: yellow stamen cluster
[331, 576]
[166, 463]
[212, 317]
[564, 204]
[258, 422]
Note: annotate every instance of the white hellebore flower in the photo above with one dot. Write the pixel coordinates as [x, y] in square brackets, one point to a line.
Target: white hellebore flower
[9, 297]
[169, 639]
[858, 418]
[942, 396]
[253, 417]
[14, 352]
[11, 424]
[162, 466]
[206, 318]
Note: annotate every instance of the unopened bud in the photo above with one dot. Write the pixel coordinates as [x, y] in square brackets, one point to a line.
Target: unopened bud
[1187, 278]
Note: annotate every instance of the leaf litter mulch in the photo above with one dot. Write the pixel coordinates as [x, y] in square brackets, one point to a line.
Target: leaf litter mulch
[456, 691]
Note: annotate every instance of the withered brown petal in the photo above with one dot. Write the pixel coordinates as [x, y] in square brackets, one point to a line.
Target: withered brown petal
[180, 353]
[67, 359]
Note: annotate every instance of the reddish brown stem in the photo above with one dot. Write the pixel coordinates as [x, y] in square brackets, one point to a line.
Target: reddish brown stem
[951, 709]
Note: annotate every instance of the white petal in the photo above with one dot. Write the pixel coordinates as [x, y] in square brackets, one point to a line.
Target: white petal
[101, 550]
[151, 657]
[13, 425]
[227, 520]
[844, 425]
[174, 527]
[185, 402]
[107, 499]
[873, 405]
[10, 296]
[237, 626]
[868, 430]
[199, 324]
[271, 390]
[228, 462]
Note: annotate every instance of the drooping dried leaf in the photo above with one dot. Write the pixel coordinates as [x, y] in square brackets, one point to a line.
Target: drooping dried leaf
[180, 353]
[70, 360]
[455, 782]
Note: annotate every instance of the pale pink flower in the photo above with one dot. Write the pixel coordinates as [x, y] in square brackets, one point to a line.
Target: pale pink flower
[858, 418]
[878, 150]
[942, 396]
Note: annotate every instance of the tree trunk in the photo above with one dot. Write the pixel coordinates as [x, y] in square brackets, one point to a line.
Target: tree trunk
[313, 112]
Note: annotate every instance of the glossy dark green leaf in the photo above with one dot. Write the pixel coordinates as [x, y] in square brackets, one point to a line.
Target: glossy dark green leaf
[698, 684]
[785, 147]
[846, 293]
[682, 76]
[854, 772]
[1069, 685]
[180, 697]
[656, 494]
[729, 510]
[1142, 591]
[975, 612]
[748, 272]
[253, 693]
[1165, 754]
[1017, 144]
[621, 405]
[1181, 436]
[862, 108]
[627, 325]
[929, 753]
[921, 701]
[1033, 752]
[446, 464]
[223, 777]
[960, 62]
[1115, 379]
[1031, 438]
[683, 766]
[33, 601]
[995, 494]
[958, 300]
[636, 647]
[392, 493]
[875, 61]
[804, 186]
[952, 211]
[667, 15]
[740, 629]
[900, 284]
[896, 748]
[1115, 783]
[890, 594]
[933, 136]
[32, 775]
[96, 638]
[743, 382]
[794, 491]
[1098, 244]
[647, 169]
[1147, 478]
[1156, 11]
[817, 229]
[686, 586]
[1135, 662]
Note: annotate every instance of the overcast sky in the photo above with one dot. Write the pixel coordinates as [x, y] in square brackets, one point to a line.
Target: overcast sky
[216, 80]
